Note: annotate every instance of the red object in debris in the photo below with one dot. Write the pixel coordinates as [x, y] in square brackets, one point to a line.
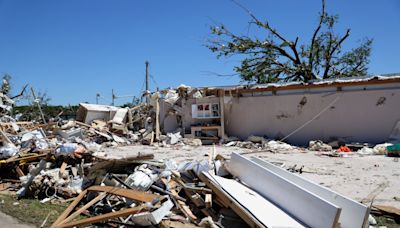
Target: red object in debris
[344, 149]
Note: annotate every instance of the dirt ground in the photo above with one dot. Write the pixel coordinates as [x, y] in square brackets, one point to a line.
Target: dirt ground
[360, 178]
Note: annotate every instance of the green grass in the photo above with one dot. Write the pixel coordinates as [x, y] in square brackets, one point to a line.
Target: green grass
[30, 211]
[384, 221]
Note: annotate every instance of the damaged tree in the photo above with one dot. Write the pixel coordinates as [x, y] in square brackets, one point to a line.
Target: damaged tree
[276, 58]
[6, 100]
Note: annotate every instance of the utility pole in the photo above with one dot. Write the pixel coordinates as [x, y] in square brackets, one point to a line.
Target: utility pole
[97, 98]
[112, 97]
[147, 82]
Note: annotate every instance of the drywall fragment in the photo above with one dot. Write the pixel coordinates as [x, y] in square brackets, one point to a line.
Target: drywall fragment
[8, 151]
[154, 217]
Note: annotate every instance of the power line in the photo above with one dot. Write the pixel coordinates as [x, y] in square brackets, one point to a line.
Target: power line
[152, 78]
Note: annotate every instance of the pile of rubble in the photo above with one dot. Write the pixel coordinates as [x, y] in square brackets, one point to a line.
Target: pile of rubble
[258, 142]
[59, 162]
[145, 193]
[335, 149]
[202, 194]
[125, 126]
[332, 149]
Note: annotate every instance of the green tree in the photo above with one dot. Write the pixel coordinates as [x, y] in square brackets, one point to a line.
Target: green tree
[276, 58]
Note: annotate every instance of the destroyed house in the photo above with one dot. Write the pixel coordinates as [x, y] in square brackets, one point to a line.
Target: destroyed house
[358, 109]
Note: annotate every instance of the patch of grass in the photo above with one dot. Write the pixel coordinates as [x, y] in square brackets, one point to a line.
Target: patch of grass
[30, 211]
[385, 221]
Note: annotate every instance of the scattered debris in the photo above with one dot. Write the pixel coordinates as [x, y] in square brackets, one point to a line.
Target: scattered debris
[63, 160]
[344, 149]
[319, 146]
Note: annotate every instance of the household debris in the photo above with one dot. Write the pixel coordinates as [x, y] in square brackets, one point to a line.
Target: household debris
[63, 160]
[319, 146]
[159, 193]
[135, 191]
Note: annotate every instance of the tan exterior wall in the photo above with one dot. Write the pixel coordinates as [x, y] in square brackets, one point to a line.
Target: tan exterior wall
[361, 114]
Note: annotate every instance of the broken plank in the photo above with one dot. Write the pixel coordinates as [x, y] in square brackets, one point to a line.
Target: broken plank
[4, 186]
[128, 193]
[63, 167]
[388, 209]
[104, 217]
[208, 200]
[69, 209]
[182, 206]
[186, 210]
[19, 171]
[175, 224]
[86, 206]
[201, 205]
[27, 158]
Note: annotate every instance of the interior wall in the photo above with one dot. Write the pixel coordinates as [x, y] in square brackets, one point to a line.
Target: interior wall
[188, 121]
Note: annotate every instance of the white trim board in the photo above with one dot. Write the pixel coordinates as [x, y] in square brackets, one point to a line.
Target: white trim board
[305, 206]
[263, 210]
[354, 214]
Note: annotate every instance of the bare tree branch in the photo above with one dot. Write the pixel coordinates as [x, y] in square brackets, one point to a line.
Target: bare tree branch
[220, 75]
[330, 52]
[21, 93]
[321, 19]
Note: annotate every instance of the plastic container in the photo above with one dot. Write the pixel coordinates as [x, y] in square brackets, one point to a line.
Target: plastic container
[393, 151]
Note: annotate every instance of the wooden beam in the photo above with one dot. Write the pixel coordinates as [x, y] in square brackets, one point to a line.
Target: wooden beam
[4, 186]
[128, 193]
[222, 113]
[5, 138]
[63, 167]
[27, 158]
[19, 171]
[208, 200]
[69, 209]
[86, 206]
[104, 217]
[182, 206]
[175, 224]
[157, 130]
[201, 205]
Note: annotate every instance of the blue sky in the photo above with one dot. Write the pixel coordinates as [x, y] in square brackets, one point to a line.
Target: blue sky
[73, 49]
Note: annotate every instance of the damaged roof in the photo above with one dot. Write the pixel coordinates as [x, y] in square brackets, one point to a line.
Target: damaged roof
[351, 81]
